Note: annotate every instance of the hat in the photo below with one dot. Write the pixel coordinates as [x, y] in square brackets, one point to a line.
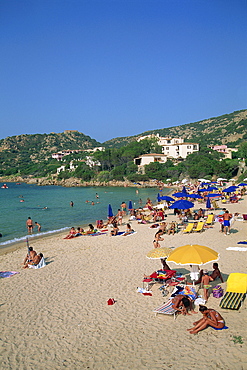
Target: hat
[205, 272]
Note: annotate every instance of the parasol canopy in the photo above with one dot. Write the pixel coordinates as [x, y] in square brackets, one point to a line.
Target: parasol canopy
[242, 184]
[231, 189]
[208, 203]
[193, 255]
[110, 213]
[130, 205]
[166, 197]
[180, 194]
[195, 196]
[182, 204]
[214, 195]
[158, 253]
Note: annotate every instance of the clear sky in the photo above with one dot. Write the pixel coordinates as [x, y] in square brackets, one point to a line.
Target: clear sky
[112, 68]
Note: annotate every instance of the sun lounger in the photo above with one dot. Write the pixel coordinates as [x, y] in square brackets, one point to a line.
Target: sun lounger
[210, 219]
[199, 227]
[188, 228]
[166, 309]
[235, 292]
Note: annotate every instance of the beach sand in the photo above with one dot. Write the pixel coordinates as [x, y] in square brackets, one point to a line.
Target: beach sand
[57, 317]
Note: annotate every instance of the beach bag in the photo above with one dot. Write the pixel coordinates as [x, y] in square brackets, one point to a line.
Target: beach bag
[218, 292]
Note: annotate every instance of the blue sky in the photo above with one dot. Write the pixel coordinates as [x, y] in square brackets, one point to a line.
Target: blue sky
[113, 68]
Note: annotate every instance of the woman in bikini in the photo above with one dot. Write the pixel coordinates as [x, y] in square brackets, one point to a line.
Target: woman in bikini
[210, 318]
[157, 238]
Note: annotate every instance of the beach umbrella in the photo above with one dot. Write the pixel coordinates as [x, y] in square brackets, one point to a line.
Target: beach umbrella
[130, 205]
[221, 179]
[195, 196]
[110, 213]
[193, 255]
[242, 184]
[214, 195]
[182, 204]
[167, 198]
[184, 190]
[168, 179]
[180, 195]
[208, 204]
[158, 197]
[211, 188]
[157, 253]
[230, 189]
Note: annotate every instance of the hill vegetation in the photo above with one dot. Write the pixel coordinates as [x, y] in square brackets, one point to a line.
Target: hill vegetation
[31, 155]
[230, 129]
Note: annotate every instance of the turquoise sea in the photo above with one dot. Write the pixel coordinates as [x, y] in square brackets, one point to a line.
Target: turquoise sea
[59, 215]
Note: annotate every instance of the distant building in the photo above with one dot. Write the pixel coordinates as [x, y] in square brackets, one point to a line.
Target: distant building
[145, 159]
[225, 150]
[59, 155]
[173, 147]
[72, 167]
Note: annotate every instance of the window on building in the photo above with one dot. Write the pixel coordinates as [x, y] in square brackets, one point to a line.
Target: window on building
[188, 147]
[195, 147]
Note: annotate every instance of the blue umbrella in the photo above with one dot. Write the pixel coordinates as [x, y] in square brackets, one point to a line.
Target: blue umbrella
[214, 195]
[231, 189]
[182, 204]
[195, 196]
[202, 190]
[158, 197]
[242, 184]
[208, 204]
[167, 198]
[130, 205]
[184, 190]
[180, 195]
[211, 188]
[110, 213]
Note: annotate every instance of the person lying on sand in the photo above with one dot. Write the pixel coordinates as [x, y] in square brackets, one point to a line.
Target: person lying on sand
[36, 260]
[30, 256]
[128, 231]
[210, 318]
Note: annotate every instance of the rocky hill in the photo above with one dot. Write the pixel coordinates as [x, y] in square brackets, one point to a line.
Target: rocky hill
[228, 129]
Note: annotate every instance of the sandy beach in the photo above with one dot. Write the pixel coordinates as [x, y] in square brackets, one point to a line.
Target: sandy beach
[57, 317]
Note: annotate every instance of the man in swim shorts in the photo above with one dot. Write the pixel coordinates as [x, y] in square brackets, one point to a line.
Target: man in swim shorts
[226, 222]
[29, 225]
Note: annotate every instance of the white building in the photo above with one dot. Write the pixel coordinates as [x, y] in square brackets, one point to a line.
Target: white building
[144, 159]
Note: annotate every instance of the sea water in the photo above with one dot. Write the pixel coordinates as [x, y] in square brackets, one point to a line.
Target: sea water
[50, 207]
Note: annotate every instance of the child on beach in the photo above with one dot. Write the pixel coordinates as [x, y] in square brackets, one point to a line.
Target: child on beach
[206, 286]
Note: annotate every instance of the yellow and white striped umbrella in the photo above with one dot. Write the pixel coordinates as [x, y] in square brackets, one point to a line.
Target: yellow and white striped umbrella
[158, 253]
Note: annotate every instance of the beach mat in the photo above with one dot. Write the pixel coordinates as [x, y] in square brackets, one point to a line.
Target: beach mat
[6, 274]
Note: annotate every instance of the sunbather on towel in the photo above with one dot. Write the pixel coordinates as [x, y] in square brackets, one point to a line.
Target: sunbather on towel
[210, 318]
[36, 260]
[128, 231]
[30, 256]
[182, 304]
[115, 229]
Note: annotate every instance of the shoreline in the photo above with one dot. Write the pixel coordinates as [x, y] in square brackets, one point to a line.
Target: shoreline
[58, 316]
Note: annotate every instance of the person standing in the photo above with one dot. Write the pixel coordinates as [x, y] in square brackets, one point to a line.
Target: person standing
[38, 226]
[29, 225]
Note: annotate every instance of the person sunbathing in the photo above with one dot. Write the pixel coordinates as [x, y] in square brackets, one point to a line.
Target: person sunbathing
[210, 318]
[36, 260]
[128, 231]
[30, 256]
[157, 239]
[91, 229]
[172, 228]
[182, 304]
[71, 234]
[115, 229]
[214, 275]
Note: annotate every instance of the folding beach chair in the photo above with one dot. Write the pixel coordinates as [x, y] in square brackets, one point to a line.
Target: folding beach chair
[188, 228]
[199, 227]
[235, 292]
[210, 219]
[166, 309]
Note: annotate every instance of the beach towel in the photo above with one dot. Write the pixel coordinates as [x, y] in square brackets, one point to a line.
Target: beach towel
[224, 327]
[6, 274]
[39, 266]
[239, 249]
[243, 242]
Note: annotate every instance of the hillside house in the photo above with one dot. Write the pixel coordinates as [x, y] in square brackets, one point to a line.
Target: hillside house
[145, 159]
[225, 150]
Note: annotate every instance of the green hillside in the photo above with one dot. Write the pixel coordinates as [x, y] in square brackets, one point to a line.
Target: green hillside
[230, 129]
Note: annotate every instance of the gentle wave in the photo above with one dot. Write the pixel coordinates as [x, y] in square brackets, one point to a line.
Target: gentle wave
[33, 236]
